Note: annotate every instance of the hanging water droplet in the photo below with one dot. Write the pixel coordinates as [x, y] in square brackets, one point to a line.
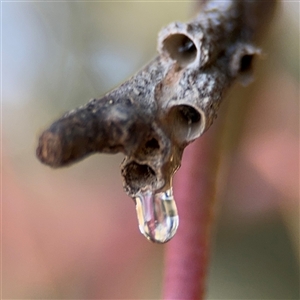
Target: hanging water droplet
[157, 215]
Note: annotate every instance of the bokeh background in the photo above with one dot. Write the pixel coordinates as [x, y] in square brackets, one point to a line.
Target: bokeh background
[72, 233]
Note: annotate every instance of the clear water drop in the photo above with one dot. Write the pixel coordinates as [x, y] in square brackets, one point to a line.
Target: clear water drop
[157, 215]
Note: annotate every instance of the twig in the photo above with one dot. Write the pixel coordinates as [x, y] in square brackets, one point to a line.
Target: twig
[154, 115]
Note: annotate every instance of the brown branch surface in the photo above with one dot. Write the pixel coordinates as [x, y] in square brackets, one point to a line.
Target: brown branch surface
[154, 115]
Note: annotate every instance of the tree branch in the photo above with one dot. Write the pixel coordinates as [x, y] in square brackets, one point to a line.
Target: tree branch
[154, 115]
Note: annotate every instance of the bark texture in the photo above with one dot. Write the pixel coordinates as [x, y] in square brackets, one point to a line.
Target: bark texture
[154, 115]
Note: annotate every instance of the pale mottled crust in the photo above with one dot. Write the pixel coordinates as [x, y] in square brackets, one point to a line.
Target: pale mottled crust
[154, 115]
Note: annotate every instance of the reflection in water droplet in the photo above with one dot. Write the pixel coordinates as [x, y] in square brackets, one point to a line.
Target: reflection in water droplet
[157, 215]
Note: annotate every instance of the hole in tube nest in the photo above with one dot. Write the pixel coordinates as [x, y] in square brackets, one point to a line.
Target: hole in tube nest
[150, 147]
[186, 122]
[189, 114]
[138, 176]
[152, 144]
[180, 48]
[149, 150]
[246, 63]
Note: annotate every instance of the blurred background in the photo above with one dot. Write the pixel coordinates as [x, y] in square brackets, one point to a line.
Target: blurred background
[72, 233]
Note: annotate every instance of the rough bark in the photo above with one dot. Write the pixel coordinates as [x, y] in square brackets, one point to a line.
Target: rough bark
[154, 115]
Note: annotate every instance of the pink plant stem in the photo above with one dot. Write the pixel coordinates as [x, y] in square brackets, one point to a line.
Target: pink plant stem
[186, 256]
